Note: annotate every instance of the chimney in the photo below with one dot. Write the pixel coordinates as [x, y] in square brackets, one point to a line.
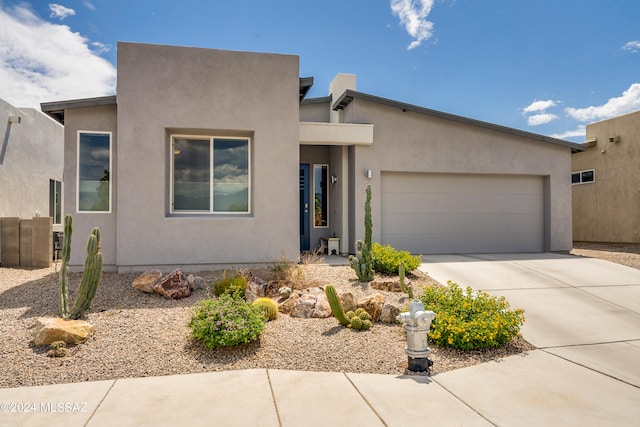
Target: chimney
[337, 87]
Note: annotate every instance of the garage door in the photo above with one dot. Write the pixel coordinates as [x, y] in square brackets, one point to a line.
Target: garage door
[461, 213]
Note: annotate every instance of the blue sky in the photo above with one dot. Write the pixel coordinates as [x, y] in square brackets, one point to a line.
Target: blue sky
[545, 66]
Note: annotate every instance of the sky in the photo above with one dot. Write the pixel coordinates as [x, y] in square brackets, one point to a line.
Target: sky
[547, 66]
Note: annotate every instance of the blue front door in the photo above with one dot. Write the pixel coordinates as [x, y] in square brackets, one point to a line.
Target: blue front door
[304, 207]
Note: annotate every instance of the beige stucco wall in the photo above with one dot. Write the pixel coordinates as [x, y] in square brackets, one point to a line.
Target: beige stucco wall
[608, 210]
[95, 119]
[414, 142]
[162, 89]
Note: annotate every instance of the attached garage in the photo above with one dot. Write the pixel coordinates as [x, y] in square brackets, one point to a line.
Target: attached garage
[430, 213]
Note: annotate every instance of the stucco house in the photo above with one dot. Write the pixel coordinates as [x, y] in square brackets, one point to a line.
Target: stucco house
[31, 164]
[208, 158]
[606, 182]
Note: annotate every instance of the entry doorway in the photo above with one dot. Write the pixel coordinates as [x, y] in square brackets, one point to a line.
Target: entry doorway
[305, 217]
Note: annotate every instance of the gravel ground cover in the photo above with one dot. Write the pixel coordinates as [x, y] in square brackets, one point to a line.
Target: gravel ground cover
[621, 253]
[138, 334]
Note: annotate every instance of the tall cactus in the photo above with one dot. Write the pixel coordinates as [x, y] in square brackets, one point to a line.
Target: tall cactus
[334, 303]
[362, 262]
[408, 289]
[63, 277]
[90, 277]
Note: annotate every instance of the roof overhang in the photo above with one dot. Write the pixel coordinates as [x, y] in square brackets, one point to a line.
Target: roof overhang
[305, 86]
[320, 133]
[56, 109]
[349, 95]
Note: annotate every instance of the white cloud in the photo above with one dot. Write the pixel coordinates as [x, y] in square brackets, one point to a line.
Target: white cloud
[413, 14]
[628, 102]
[633, 46]
[539, 106]
[581, 131]
[41, 62]
[89, 5]
[59, 11]
[540, 119]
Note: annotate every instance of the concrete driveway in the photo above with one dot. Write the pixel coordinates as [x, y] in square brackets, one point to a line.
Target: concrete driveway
[583, 314]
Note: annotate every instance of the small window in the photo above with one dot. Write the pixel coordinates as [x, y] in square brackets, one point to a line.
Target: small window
[583, 177]
[94, 170]
[320, 199]
[55, 201]
[209, 174]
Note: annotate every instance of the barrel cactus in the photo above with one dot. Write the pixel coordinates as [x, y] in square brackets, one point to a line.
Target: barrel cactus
[267, 306]
[359, 320]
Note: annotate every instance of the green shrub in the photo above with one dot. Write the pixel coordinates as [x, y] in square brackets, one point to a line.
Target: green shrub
[386, 259]
[470, 320]
[233, 284]
[226, 321]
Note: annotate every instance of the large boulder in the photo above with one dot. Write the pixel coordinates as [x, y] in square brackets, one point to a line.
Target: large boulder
[174, 285]
[322, 309]
[287, 305]
[389, 313]
[349, 302]
[304, 306]
[147, 281]
[52, 329]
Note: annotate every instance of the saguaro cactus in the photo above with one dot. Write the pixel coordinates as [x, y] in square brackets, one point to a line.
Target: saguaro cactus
[90, 277]
[362, 262]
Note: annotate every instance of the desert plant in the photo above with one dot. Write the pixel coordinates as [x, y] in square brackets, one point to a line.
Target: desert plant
[226, 321]
[57, 349]
[359, 320]
[235, 283]
[362, 262]
[90, 276]
[289, 272]
[406, 289]
[386, 259]
[267, 306]
[336, 306]
[470, 320]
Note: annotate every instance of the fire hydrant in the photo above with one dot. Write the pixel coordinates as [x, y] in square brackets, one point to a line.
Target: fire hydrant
[417, 322]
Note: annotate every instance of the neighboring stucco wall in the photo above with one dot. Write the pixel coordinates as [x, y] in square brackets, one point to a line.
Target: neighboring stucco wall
[31, 154]
[96, 119]
[166, 88]
[413, 142]
[608, 210]
[314, 111]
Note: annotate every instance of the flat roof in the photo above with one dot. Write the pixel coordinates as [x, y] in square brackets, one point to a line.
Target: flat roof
[56, 109]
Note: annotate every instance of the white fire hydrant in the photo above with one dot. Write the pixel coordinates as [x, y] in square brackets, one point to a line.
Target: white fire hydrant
[417, 322]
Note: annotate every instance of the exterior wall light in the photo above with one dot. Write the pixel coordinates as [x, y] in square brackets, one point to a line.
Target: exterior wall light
[334, 179]
[368, 173]
[15, 119]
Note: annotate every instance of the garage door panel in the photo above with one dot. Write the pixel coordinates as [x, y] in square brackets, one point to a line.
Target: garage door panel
[476, 203]
[462, 213]
[459, 223]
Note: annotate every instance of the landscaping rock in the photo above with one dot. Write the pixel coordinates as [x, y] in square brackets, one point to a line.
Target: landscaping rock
[196, 282]
[174, 285]
[286, 306]
[372, 305]
[51, 329]
[322, 310]
[348, 301]
[389, 313]
[147, 281]
[303, 307]
[386, 285]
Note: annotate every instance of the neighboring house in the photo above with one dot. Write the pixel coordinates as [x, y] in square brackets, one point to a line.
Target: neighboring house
[606, 182]
[31, 164]
[210, 158]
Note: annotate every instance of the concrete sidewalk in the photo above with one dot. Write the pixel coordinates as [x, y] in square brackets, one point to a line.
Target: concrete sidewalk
[583, 315]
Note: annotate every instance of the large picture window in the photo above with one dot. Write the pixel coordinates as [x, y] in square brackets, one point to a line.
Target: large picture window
[209, 174]
[94, 169]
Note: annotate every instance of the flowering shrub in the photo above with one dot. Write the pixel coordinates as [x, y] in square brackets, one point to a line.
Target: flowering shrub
[386, 259]
[226, 321]
[470, 320]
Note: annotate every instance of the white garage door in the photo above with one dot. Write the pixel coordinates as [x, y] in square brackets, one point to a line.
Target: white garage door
[460, 213]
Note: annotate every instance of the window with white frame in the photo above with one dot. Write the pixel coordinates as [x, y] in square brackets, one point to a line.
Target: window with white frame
[210, 174]
[94, 172]
[583, 177]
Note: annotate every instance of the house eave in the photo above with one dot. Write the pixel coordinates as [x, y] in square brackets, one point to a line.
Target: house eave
[320, 133]
[56, 110]
[349, 95]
